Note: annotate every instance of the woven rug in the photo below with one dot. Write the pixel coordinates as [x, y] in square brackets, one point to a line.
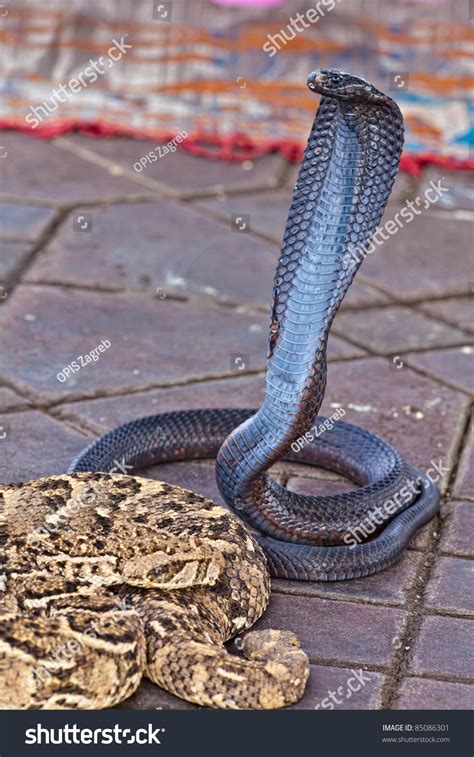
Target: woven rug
[232, 75]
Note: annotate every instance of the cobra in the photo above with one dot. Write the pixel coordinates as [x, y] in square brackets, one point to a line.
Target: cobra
[347, 172]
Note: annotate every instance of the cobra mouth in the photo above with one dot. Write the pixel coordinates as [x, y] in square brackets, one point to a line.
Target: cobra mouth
[340, 84]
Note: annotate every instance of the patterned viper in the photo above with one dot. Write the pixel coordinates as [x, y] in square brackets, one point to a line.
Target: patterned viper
[106, 578]
[348, 168]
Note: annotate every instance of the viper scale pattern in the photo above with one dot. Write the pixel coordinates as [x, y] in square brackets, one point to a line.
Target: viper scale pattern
[347, 172]
[106, 578]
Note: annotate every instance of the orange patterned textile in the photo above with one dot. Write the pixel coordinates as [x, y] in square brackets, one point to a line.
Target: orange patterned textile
[232, 76]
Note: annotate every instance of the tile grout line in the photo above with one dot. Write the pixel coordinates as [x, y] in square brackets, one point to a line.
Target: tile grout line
[418, 306]
[48, 234]
[422, 372]
[416, 609]
[319, 594]
[59, 401]
[166, 190]
[441, 678]
[111, 167]
[252, 309]
[437, 377]
[198, 298]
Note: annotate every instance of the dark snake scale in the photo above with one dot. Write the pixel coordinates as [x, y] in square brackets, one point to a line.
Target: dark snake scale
[346, 176]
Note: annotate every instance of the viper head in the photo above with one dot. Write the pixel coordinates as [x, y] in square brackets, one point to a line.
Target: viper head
[341, 85]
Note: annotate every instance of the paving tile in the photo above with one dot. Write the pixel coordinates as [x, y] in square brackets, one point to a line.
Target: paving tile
[105, 413]
[391, 586]
[290, 469]
[418, 416]
[395, 329]
[444, 646]
[458, 528]
[26, 222]
[455, 366]
[425, 259]
[200, 479]
[185, 340]
[318, 487]
[10, 400]
[425, 694]
[331, 688]
[327, 688]
[35, 445]
[340, 349]
[456, 310]
[183, 171]
[37, 169]
[175, 249]
[464, 484]
[12, 257]
[362, 294]
[267, 211]
[46, 328]
[322, 624]
[450, 587]
[461, 190]
[422, 539]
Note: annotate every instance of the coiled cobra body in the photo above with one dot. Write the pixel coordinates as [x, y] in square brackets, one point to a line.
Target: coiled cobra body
[346, 176]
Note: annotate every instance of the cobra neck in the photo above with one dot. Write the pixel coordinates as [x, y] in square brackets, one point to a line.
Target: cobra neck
[336, 206]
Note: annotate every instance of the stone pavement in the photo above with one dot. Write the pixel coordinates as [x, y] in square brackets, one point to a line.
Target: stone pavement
[174, 267]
